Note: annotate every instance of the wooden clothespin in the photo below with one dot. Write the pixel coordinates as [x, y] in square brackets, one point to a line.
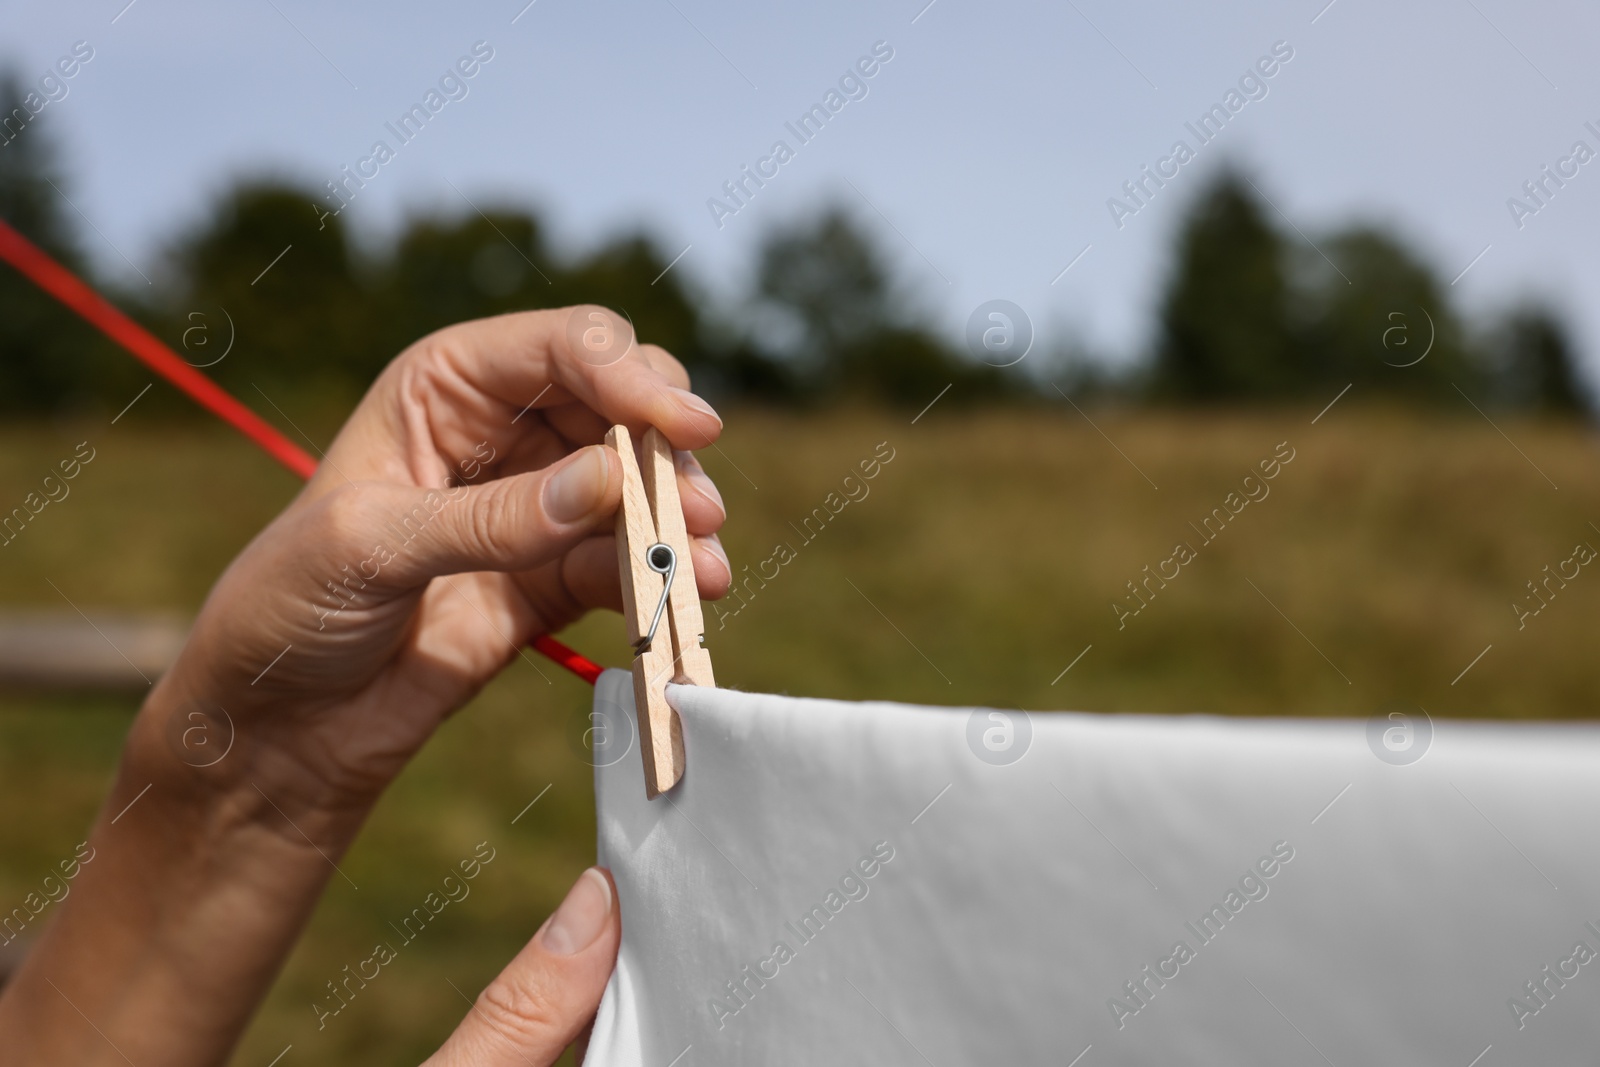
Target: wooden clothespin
[660, 601]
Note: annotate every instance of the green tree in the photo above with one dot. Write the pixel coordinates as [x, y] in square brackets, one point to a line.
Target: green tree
[824, 289]
[1535, 363]
[830, 315]
[49, 358]
[630, 274]
[449, 269]
[301, 322]
[1225, 328]
[1375, 314]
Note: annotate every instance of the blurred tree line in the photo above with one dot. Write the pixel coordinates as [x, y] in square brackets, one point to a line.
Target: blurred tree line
[305, 311]
[1249, 314]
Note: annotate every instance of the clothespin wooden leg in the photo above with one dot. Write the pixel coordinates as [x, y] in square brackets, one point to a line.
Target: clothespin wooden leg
[691, 662]
[651, 516]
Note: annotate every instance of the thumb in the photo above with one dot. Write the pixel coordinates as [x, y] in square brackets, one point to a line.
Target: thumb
[549, 993]
[511, 524]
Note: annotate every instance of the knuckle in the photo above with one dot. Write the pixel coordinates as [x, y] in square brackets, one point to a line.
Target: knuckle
[418, 360]
[665, 364]
[596, 335]
[488, 519]
[578, 317]
[518, 1009]
[347, 513]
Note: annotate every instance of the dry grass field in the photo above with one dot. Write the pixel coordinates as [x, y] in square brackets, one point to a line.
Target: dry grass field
[980, 561]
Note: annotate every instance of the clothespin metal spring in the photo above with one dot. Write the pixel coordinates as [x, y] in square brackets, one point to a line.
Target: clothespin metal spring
[664, 561]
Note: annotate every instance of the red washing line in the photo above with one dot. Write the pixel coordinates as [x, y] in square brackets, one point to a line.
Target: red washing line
[94, 309]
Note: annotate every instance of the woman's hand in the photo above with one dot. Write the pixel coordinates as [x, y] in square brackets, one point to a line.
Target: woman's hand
[465, 508]
[547, 996]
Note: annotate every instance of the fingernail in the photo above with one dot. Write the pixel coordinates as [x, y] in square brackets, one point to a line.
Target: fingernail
[714, 546]
[690, 402]
[701, 481]
[577, 488]
[581, 916]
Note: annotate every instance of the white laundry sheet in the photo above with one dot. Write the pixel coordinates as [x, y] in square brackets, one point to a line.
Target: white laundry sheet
[838, 883]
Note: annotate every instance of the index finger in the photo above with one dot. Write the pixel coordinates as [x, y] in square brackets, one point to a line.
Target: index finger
[586, 352]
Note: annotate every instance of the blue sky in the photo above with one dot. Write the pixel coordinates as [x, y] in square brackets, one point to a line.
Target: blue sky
[984, 152]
